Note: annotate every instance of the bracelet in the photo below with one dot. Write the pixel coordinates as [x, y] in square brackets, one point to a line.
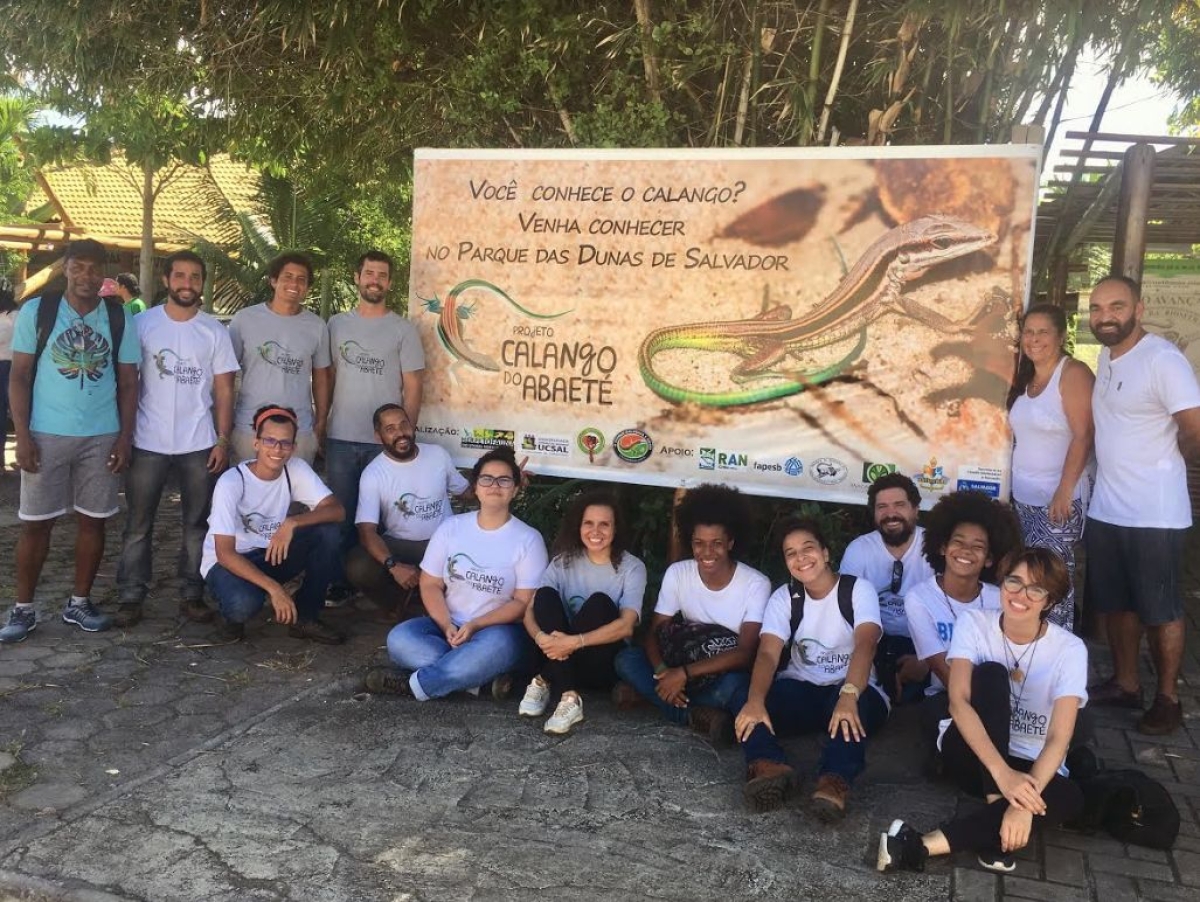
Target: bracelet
[539, 635]
[661, 668]
[581, 642]
[849, 689]
[222, 441]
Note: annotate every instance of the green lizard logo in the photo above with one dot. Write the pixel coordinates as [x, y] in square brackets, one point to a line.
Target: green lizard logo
[451, 316]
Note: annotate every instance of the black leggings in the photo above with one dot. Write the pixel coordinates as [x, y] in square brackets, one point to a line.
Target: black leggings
[980, 831]
[592, 666]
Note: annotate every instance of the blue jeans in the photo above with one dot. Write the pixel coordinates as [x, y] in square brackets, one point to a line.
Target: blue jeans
[420, 645]
[797, 707]
[344, 463]
[314, 551]
[634, 668]
[144, 482]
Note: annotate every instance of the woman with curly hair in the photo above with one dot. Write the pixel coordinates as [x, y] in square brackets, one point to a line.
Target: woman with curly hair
[714, 590]
[966, 534]
[1050, 413]
[588, 605]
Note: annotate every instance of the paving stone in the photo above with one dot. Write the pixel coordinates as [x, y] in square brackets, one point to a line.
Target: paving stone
[1130, 867]
[25, 651]
[1188, 864]
[1165, 892]
[71, 728]
[69, 660]
[1064, 866]
[1097, 844]
[15, 667]
[1047, 892]
[971, 885]
[136, 716]
[48, 795]
[1111, 888]
[201, 703]
[158, 694]
[1143, 854]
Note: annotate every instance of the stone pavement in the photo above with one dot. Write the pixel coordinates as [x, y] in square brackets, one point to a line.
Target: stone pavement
[155, 764]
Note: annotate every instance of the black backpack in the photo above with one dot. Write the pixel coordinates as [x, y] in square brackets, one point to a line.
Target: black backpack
[1132, 807]
[845, 600]
[47, 315]
[684, 642]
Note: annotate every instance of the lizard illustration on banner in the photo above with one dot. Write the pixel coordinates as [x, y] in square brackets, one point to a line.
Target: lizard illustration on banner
[872, 287]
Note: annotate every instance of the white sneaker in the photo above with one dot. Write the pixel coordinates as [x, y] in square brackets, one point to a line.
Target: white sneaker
[568, 713]
[537, 696]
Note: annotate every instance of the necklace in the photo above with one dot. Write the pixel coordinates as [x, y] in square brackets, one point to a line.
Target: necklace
[1015, 673]
[946, 598]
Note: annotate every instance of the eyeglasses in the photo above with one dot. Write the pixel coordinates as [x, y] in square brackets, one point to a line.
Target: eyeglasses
[283, 444]
[1035, 594]
[897, 576]
[487, 481]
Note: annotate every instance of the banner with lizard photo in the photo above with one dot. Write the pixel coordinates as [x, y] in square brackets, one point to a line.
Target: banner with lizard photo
[795, 322]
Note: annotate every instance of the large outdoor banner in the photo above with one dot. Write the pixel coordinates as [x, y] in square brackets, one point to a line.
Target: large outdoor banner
[795, 322]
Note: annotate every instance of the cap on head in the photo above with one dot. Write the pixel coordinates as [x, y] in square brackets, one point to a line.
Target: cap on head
[87, 249]
[108, 288]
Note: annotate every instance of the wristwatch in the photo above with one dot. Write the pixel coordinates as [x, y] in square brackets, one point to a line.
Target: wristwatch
[390, 562]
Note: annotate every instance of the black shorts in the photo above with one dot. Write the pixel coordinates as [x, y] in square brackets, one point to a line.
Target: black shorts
[1134, 569]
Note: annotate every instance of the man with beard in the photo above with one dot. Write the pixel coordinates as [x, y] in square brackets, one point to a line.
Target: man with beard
[890, 558]
[188, 367]
[406, 491]
[1146, 405]
[377, 359]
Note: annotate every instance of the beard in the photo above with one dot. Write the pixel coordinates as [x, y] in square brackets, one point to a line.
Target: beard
[1111, 338]
[896, 539]
[395, 454]
[195, 299]
[372, 294]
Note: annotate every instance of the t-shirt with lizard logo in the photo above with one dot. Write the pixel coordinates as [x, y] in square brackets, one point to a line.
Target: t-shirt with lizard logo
[277, 354]
[175, 399]
[251, 509]
[411, 498]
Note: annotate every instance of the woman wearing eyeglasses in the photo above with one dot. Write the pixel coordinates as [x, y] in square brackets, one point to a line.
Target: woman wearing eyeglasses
[1017, 682]
[478, 575]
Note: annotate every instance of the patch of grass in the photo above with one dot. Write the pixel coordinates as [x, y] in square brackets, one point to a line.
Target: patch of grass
[289, 662]
[239, 679]
[55, 708]
[15, 778]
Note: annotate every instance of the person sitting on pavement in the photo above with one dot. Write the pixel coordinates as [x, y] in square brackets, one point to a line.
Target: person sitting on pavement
[827, 682]
[73, 391]
[1017, 683]
[588, 605]
[254, 545]
[189, 368]
[405, 490]
[713, 588]
[966, 533]
[890, 559]
[478, 575]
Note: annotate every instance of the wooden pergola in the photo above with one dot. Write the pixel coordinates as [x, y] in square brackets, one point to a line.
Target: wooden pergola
[1130, 192]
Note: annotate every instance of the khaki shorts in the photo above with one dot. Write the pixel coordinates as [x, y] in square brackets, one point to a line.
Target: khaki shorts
[73, 472]
[242, 446]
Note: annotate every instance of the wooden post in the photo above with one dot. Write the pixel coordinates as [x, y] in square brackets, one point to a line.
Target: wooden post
[1137, 178]
[1058, 280]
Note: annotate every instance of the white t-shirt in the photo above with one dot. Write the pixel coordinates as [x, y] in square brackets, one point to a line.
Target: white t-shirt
[482, 568]
[867, 557]
[1141, 479]
[175, 399]
[8, 322]
[578, 579]
[251, 509]
[411, 497]
[1055, 667]
[824, 642]
[742, 600]
[931, 617]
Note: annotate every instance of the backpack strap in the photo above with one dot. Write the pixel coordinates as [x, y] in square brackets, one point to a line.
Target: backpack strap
[286, 475]
[845, 599]
[47, 315]
[116, 328]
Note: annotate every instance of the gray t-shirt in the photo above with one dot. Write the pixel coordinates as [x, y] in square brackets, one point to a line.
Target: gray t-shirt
[578, 579]
[369, 356]
[277, 354]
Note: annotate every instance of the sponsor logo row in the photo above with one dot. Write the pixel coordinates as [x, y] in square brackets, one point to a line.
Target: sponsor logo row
[635, 446]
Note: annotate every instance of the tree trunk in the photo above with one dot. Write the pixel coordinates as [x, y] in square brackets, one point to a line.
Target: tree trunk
[146, 258]
[847, 29]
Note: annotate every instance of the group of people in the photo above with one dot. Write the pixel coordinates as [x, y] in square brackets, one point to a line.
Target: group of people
[970, 616]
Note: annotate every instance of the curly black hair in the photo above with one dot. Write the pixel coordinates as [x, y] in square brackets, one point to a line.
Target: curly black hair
[715, 505]
[996, 519]
[568, 542]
